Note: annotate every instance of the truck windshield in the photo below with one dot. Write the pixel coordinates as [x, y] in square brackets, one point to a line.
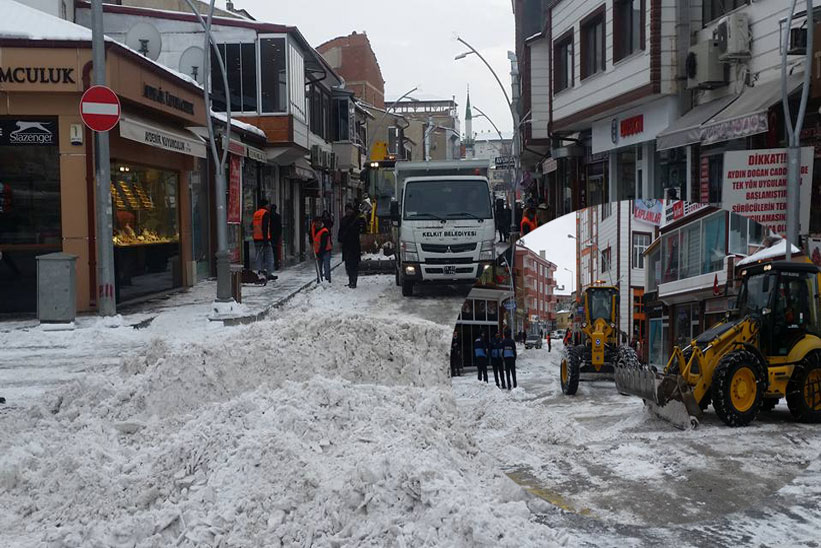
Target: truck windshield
[446, 199]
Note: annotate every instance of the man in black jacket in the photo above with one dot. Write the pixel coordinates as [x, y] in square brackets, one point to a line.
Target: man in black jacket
[349, 229]
[276, 235]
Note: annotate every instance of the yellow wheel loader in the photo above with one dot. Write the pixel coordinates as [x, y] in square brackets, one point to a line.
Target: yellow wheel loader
[599, 350]
[768, 348]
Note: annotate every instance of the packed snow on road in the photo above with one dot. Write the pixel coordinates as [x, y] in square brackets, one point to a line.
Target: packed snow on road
[332, 424]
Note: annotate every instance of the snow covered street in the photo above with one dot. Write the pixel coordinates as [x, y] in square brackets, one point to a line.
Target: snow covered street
[621, 474]
[335, 424]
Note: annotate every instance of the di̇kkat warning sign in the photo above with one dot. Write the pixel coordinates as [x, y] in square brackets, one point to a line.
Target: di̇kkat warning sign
[755, 185]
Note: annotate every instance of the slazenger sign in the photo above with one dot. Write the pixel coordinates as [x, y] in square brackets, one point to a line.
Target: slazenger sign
[449, 234]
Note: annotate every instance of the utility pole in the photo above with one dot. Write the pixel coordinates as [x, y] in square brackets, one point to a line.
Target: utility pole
[514, 111]
[794, 133]
[106, 302]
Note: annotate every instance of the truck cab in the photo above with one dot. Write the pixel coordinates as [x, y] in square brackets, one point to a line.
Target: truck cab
[444, 224]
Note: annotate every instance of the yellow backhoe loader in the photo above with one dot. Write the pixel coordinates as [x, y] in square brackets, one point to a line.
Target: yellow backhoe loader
[768, 348]
[599, 348]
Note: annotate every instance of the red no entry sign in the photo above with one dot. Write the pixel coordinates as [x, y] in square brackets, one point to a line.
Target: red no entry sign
[100, 108]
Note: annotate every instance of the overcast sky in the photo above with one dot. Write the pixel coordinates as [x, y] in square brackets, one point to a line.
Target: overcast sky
[559, 249]
[415, 43]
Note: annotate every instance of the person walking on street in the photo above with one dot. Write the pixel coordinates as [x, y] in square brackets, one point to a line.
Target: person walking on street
[496, 357]
[276, 236]
[509, 355]
[455, 356]
[349, 228]
[323, 245]
[314, 226]
[480, 353]
[548, 341]
[262, 239]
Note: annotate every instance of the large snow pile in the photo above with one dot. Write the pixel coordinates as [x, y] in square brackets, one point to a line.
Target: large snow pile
[322, 427]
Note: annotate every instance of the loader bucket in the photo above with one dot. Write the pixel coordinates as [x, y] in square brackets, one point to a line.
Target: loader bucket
[668, 396]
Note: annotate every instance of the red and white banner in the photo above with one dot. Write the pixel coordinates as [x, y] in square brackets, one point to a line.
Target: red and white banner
[755, 185]
[234, 213]
[648, 211]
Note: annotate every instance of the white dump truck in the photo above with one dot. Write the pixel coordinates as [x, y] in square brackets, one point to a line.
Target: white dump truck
[443, 223]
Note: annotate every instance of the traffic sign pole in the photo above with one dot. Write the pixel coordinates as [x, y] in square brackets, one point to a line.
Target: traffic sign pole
[106, 303]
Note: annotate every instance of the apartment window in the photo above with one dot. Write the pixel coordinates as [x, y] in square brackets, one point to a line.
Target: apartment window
[273, 74]
[713, 9]
[641, 242]
[320, 112]
[713, 234]
[563, 62]
[241, 70]
[628, 27]
[592, 44]
[606, 209]
[605, 260]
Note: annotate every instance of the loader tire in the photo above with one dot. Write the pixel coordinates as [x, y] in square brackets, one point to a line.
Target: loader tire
[571, 363]
[627, 359]
[739, 383]
[804, 389]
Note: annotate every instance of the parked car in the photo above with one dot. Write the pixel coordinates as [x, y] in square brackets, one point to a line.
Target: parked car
[534, 340]
[557, 334]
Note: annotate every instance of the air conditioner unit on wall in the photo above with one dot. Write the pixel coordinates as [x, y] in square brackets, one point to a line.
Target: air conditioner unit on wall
[315, 156]
[733, 37]
[704, 70]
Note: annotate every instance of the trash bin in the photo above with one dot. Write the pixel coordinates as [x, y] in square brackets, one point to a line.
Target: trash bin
[56, 288]
[236, 282]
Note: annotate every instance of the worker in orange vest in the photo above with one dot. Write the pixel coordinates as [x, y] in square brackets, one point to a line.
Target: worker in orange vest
[528, 223]
[323, 245]
[264, 258]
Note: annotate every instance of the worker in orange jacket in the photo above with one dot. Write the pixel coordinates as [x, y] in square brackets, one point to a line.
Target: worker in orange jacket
[323, 245]
[529, 222]
[260, 224]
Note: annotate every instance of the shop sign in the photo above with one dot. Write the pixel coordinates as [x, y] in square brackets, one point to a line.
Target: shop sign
[235, 147]
[648, 211]
[715, 306]
[737, 128]
[234, 190]
[814, 250]
[678, 209]
[550, 165]
[255, 154]
[704, 180]
[36, 75]
[147, 134]
[158, 95]
[28, 132]
[816, 62]
[755, 185]
[634, 126]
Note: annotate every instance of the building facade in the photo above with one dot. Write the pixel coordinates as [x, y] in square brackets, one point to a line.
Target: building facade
[535, 285]
[353, 58]
[434, 124]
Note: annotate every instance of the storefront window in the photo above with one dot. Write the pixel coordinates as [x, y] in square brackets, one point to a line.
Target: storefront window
[690, 251]
[682, 326]
[714, 239]
[146, 230]
[467, 310]
[654, 272]
[480, 311]
[30, 222]
[670, 253]
[492, 311]
[626, 173]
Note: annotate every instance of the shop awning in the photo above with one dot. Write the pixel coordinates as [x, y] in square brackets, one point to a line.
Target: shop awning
[687, 129]
[303, 170]
[747, 115]
[161, 136]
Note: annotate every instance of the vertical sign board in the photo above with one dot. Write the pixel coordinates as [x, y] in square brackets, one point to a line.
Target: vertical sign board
[705, 180]
[234, 213]
[816, 61]
[755, 185]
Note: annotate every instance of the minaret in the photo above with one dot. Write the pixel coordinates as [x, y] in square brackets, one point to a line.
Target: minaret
[469, 150]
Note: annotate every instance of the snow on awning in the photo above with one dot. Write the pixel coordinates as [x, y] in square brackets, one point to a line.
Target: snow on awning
[747, 115]
[687, 130]
[776, 250]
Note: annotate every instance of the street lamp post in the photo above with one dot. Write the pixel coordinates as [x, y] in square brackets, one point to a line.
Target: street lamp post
[514, 113]
[223, 267]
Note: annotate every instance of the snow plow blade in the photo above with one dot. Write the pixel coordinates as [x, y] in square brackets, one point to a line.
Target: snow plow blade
[668, 396]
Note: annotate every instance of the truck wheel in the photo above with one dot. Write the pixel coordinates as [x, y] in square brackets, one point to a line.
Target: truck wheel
[407, 288]
[739, 383]
[571, 362]
[804, 389]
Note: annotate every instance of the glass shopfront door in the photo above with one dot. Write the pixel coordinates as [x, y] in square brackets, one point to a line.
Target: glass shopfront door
[30, 222]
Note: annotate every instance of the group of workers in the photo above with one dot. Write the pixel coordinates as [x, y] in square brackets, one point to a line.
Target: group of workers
[501, 352]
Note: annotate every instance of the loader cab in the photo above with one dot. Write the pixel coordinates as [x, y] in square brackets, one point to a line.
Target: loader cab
[784, 297]
[601, 303]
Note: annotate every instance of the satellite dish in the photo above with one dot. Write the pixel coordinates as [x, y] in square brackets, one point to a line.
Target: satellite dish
[192, 61]
[144, 38]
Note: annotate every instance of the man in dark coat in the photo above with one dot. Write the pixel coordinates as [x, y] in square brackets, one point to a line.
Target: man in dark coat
[455, 356]
[509, 356]
[276, 235]
[480, 354]
[349, 230]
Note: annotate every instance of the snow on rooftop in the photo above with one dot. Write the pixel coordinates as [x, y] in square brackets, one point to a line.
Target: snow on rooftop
[25, 23]
[239, 124]
[778, 249]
